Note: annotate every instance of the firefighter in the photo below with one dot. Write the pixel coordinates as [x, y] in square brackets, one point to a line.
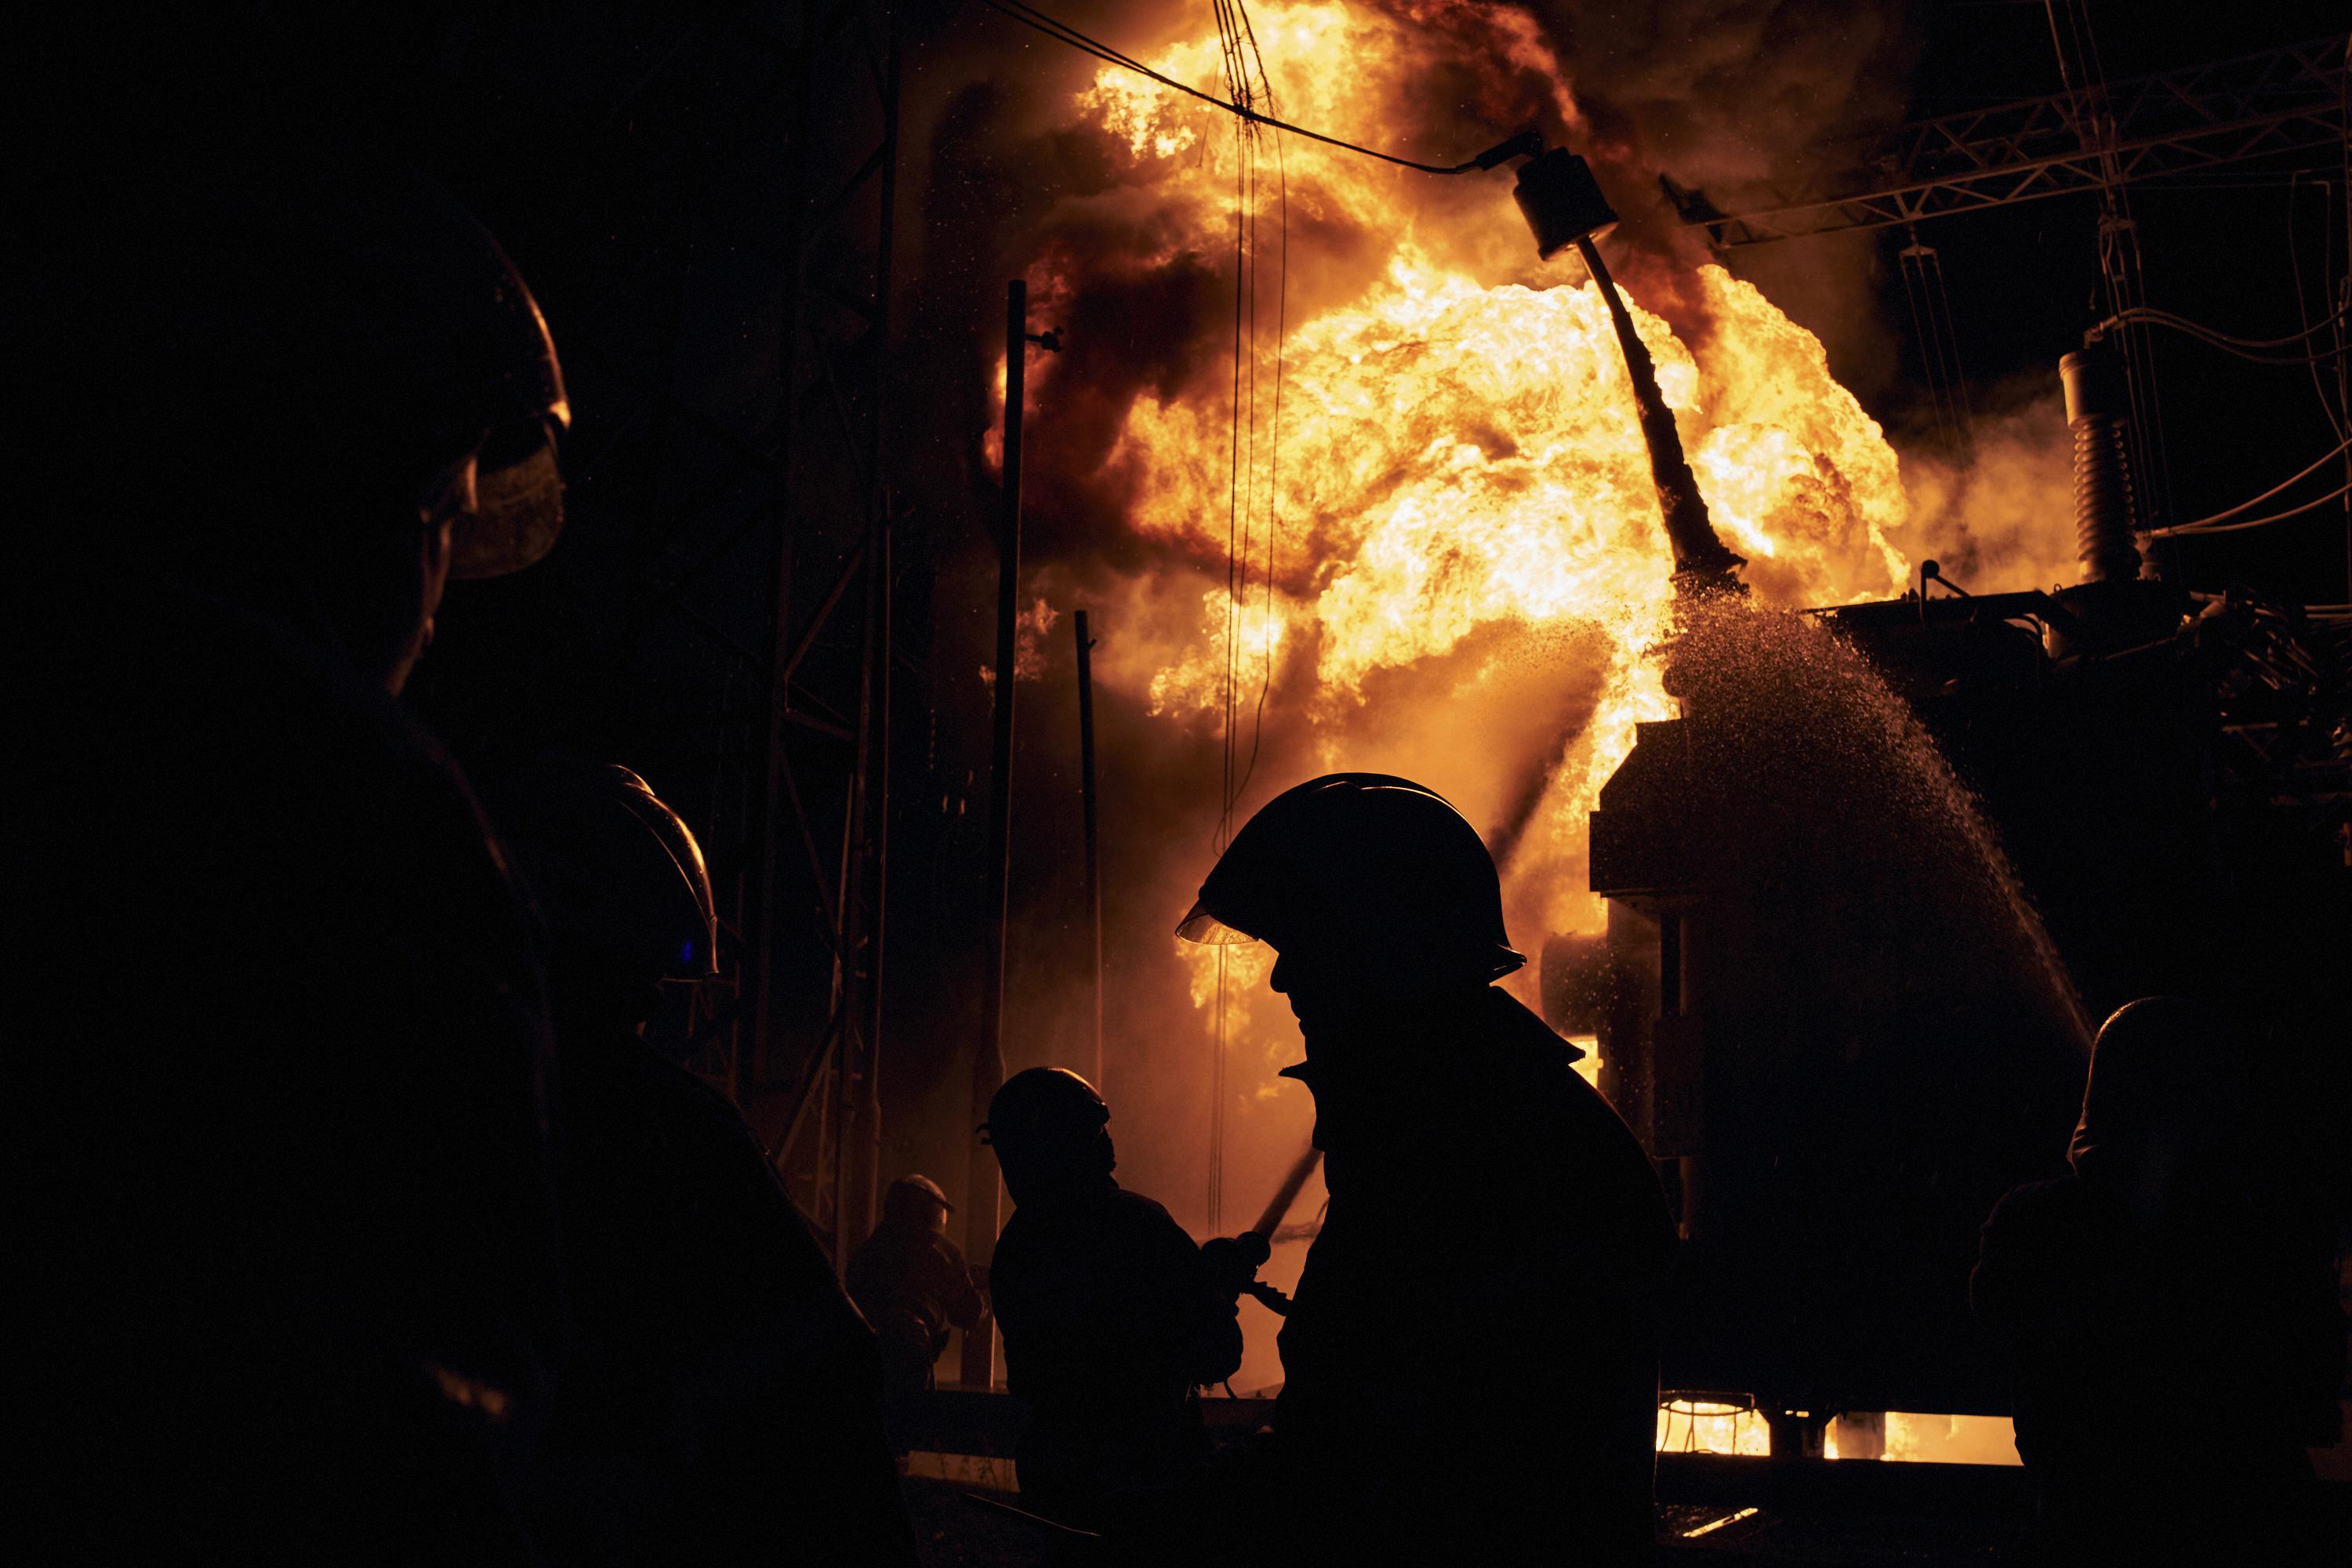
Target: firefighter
[1470, 1360]
[2170, 1313]
[723, 1400]
[1111, 1317]
[291, 1264]
[913, 1286]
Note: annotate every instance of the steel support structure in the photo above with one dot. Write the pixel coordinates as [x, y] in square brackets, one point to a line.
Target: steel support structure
[822, 1096]
[2275, 102]
[762, 477]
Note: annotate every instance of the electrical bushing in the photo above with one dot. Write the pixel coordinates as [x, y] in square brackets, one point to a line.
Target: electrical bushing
[1562, 201]
[2098, 405]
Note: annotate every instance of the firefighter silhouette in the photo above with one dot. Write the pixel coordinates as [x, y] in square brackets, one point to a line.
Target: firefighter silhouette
[1470, 1364]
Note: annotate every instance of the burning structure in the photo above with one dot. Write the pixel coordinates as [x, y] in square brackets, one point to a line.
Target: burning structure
[1397, 510]
[1333, 467]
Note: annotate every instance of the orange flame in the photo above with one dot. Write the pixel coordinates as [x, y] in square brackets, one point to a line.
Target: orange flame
[1455, 487]
[1458, 451]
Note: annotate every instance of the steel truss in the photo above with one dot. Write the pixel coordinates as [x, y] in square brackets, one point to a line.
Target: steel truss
[770, 585]
[2279, 101]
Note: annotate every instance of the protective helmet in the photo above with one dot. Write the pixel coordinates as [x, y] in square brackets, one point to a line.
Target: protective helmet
[913, 1197]
[2150, 1067]
[1042, 1106]
[497, 365]
[451, 345]
[616, 873]
[1374, 863]
[274, 323]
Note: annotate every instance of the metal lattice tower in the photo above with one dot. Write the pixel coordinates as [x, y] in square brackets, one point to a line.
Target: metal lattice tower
[760, 150]
[2253, 106]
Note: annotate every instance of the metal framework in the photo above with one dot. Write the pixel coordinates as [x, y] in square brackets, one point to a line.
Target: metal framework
[763, 483]
[2278, 102]
[843, 193]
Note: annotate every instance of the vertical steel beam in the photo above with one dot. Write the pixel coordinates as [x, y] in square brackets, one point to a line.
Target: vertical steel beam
[988, 1056]
[1087, 795]
[765, 828]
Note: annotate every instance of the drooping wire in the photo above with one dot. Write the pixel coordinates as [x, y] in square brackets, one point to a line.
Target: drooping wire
[2301, 312]
[2208, 524]
[2244, 348]
[1030, 16]
[2293, 511]
[1246, 85]
[1273, 459]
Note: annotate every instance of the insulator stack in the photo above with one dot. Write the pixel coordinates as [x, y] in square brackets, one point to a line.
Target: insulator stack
[2097, 407]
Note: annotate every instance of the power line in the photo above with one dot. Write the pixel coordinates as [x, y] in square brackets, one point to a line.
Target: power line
[2243, 348]
[2344, 488]
[1030, 16]
[2208, 524]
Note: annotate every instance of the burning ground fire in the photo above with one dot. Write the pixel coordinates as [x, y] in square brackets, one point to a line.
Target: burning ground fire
[1396, 496]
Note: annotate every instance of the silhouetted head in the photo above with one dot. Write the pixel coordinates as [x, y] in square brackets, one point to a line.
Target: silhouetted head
[1051, 1133]
[1372, 888]
[302, 378]
[618, 877]
[916, 1203]
[2162, 1114]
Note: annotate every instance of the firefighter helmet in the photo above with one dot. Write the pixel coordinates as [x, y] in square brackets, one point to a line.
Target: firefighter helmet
[617, 872]
[1363, 862]
[1044, 1106]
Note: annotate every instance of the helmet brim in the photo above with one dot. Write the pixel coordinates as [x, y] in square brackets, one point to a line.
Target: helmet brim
[1203, 927]
[518, 515]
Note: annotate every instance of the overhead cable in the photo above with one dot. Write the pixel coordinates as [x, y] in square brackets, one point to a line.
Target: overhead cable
[2313, 466]
[2244, 348]
[1030, 16]
[2313, 505]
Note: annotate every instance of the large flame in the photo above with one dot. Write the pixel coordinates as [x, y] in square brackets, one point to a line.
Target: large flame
[1415, 472]
[1456, 452]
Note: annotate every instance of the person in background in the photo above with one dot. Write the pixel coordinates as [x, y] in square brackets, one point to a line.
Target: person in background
[913, 1286]
[1111, 1317]
[2169, 1314]
[1470, 1360]
[723, 1400]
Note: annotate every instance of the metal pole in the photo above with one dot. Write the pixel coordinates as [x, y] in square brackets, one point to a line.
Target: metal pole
[1087, 791]
[767, 826]
[988, 1060]
[858, 1187]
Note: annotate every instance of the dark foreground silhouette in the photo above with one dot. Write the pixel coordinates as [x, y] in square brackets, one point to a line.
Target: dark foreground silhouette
[2170, 1314]
[1471, 1362]
[721, 1400]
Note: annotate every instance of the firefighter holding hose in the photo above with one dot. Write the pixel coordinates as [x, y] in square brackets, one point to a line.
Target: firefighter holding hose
[1471, 1360]
[1112, 1317]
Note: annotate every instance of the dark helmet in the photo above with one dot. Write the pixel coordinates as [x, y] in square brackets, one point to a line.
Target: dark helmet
[486, 353]
[2152, 1073]
[255, 329]
[912, 1198]
[1376, 864]
[1041, 1107]
[616, 873]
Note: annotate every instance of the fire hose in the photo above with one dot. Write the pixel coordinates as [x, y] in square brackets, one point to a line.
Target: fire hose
[1234, 1260]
